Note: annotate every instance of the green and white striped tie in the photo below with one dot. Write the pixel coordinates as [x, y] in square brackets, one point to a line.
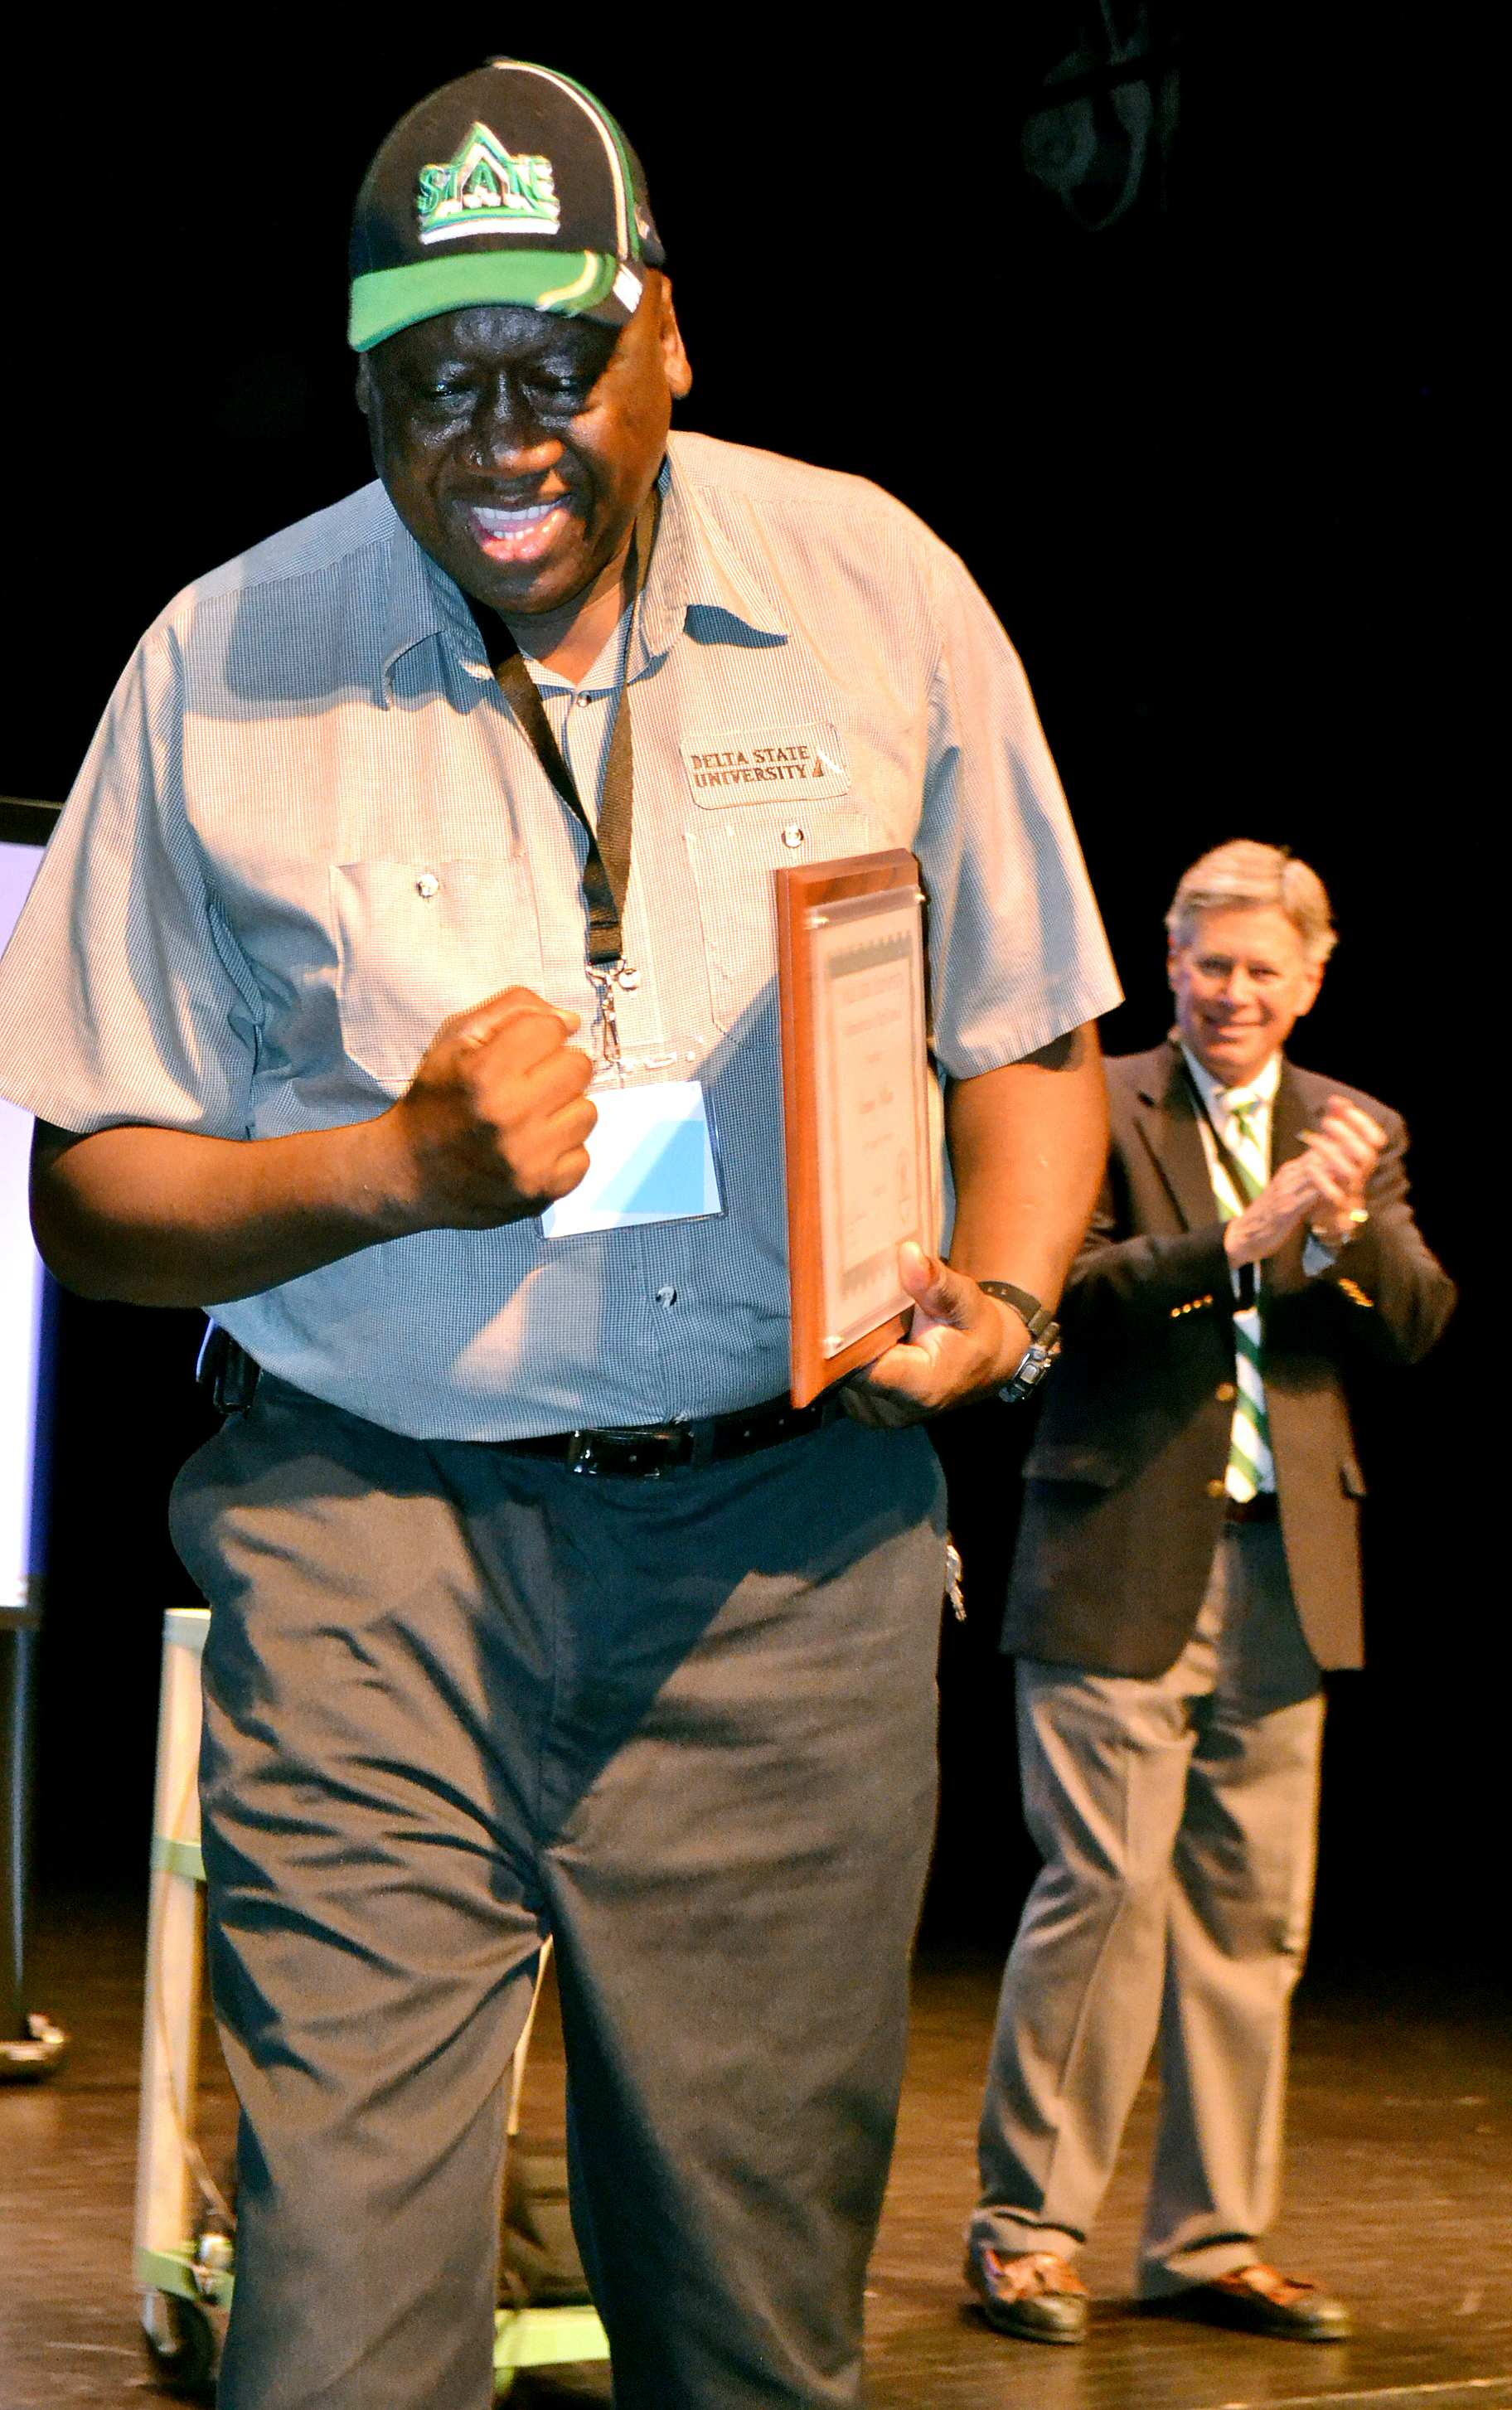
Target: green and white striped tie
[1250, 1468]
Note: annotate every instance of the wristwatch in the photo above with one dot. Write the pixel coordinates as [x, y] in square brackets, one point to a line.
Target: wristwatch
[1044, 1339]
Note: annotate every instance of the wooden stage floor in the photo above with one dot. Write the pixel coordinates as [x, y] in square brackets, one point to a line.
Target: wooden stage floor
[1397, 2195]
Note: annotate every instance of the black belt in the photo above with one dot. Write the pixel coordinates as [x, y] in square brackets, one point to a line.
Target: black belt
[1262, 1508]
[645, 1454]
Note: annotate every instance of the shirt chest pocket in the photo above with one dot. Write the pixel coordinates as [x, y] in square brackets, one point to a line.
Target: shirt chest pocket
[417, 941]
[732, 856]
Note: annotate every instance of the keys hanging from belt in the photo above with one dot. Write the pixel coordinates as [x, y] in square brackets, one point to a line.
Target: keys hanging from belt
[954, 1580]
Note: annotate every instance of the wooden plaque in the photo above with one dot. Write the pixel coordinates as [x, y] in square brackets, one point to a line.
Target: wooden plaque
[855, 1077]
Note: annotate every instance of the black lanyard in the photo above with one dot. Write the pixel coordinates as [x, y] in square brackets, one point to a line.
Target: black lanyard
[1230, 1163]
[607, 870]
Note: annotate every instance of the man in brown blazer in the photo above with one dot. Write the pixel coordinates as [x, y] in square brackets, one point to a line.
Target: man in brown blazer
[1188, 1562]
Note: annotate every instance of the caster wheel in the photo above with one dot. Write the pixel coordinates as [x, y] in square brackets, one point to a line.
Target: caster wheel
[180, 2344]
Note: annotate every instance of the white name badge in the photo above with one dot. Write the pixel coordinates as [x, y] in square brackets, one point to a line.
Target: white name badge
[651, 1159]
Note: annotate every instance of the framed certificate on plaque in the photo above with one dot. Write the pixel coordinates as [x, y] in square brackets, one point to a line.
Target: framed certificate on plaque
[855, 1096]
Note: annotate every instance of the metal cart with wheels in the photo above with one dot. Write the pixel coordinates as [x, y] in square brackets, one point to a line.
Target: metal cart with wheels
[184, 2257]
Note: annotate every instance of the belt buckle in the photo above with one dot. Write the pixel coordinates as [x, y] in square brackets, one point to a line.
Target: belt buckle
[595, 1452]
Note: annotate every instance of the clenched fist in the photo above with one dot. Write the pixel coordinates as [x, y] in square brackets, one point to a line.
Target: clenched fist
[494, 1125]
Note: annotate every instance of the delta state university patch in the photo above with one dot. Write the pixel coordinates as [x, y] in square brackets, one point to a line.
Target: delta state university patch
[766, 767]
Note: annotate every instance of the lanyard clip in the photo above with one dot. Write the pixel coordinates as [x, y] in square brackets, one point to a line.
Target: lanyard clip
[602, 976]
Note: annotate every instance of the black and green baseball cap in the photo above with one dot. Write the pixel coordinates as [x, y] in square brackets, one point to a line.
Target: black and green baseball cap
[511, 185]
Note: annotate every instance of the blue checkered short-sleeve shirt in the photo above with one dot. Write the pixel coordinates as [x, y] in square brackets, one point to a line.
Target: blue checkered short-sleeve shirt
[308, 829]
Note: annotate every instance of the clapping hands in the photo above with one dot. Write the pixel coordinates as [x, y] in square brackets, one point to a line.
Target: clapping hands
[1325, 1187]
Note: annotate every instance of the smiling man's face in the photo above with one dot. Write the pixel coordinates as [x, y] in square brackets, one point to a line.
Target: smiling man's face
[517, 446]
[1242, 981]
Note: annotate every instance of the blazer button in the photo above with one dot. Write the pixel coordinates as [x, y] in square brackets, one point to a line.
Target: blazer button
[1225, 1393]
[1217, 1488]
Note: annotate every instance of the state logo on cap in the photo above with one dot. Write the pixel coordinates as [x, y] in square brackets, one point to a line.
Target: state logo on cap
[511, 186]
[482, 178]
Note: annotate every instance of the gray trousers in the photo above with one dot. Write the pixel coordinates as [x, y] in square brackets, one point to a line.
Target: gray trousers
[456, 1699]
[1177, 1821]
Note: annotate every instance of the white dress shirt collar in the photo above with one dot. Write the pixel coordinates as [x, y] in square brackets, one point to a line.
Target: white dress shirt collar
[1217, 1098]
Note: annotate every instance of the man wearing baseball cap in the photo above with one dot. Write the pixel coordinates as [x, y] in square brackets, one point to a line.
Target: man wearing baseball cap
[410, 842]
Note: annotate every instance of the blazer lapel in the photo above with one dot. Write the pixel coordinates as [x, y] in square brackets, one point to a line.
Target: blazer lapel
[1288, 1118]
[1166, 1122]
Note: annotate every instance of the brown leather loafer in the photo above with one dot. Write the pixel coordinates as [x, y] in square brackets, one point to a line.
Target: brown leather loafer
[1031, 2294]
[1260, 2300]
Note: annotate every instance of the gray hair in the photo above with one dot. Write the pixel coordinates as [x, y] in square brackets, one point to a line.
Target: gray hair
[1246, 877]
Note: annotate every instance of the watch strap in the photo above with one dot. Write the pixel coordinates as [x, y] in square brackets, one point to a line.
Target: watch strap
[1044, 1339]
[1037, 1318]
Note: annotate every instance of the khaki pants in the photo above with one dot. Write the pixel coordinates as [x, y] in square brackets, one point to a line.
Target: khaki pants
[453, 1699]
[1177, 1821]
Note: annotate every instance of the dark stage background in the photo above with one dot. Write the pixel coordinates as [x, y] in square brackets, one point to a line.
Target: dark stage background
[1191, 425]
